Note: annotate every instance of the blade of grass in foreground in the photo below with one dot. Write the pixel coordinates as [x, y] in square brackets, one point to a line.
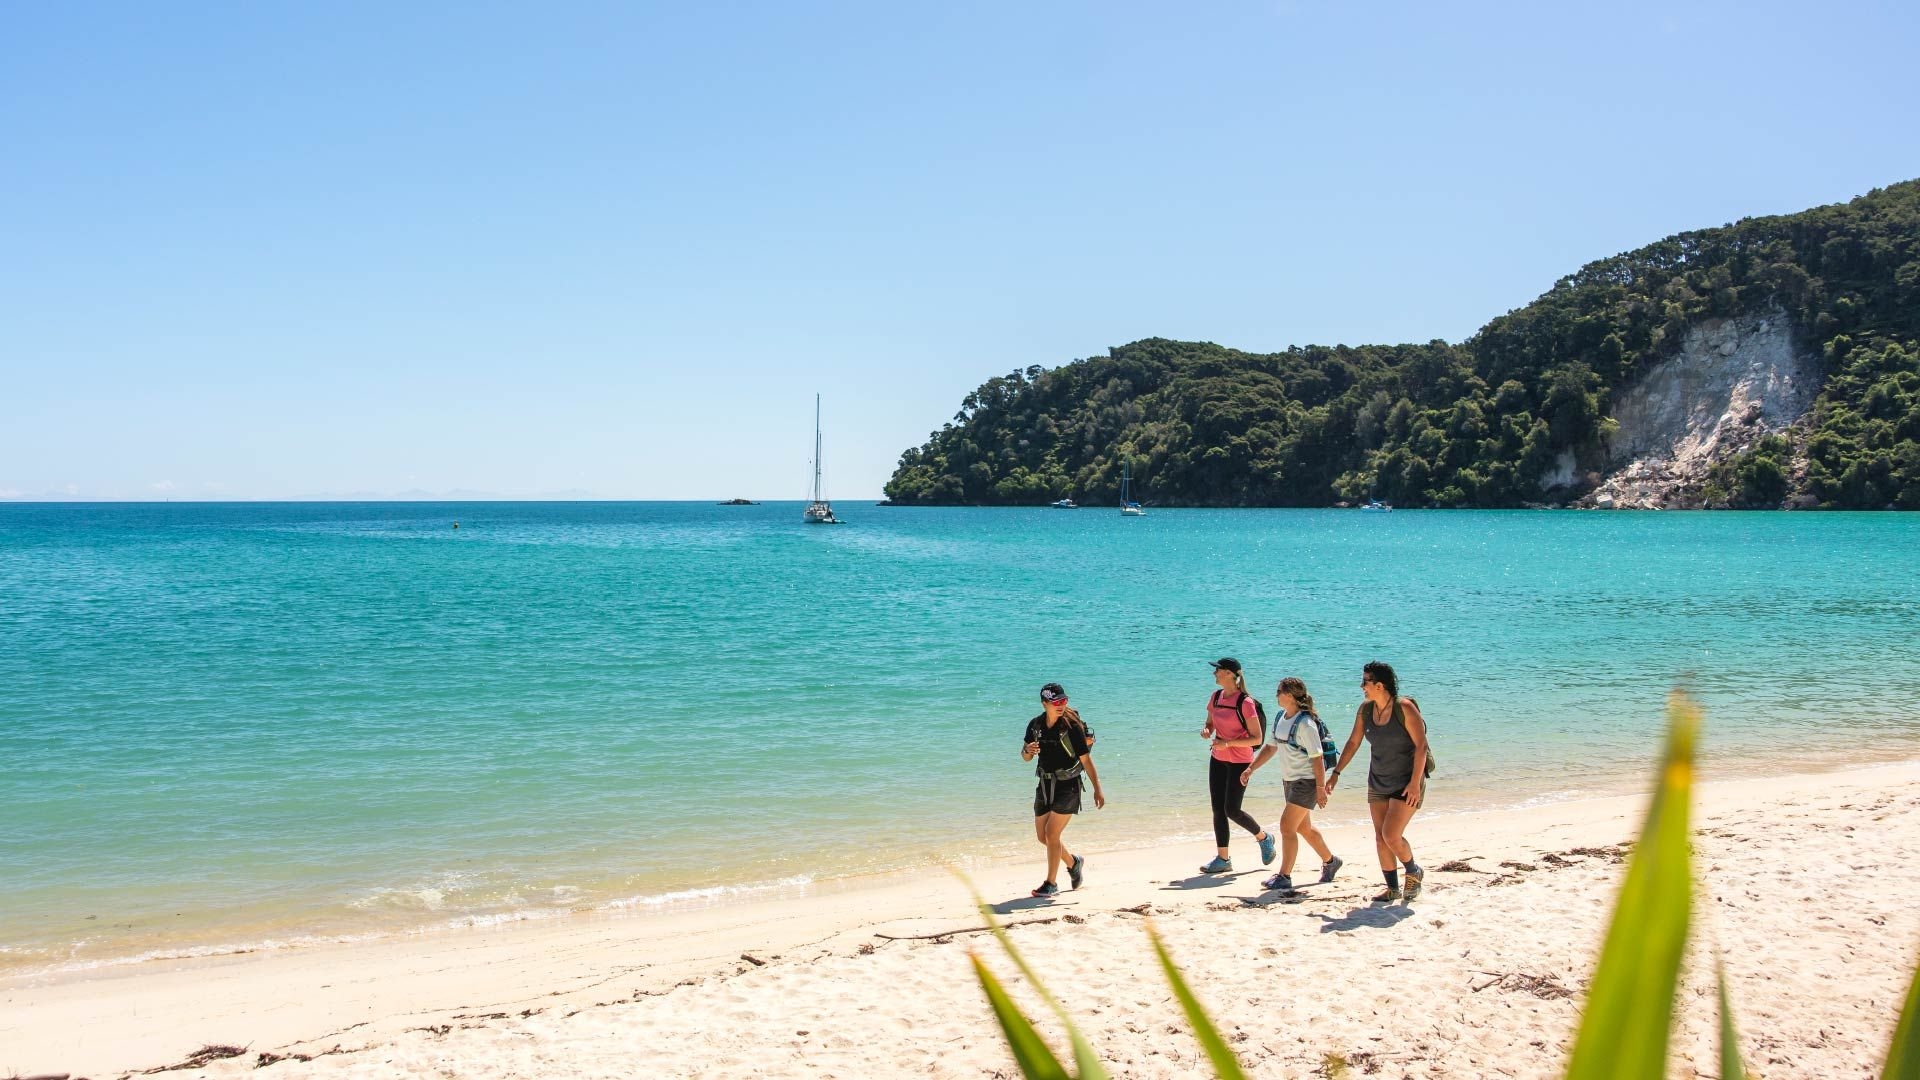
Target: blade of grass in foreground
[1083, 1056]
[1035, 1060]
[1730, 1066]
[1225, 1065]
[1629, 1010]
[1903, 1057]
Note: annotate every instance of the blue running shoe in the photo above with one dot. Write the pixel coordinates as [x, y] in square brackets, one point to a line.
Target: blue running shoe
[1283, 882]
[1047, 888]
[1330, 868]
[1266, 849]
[1077, 872]
[1218, 866]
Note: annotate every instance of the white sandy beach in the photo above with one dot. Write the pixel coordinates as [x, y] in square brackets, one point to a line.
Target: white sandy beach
[1807, 888]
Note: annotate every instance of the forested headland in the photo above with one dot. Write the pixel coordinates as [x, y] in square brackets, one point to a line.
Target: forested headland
[1483, 422]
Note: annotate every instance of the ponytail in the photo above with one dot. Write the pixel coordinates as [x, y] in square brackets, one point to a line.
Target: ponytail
[1298, 688]
[1072, 716]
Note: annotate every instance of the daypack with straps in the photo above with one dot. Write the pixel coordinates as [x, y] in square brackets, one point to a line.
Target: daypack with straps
[1329, 753]
[1258, 710]
[1077, 768]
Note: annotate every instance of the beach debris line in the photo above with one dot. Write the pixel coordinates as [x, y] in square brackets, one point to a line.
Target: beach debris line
[947, 934]
[206, 1055]
[1540, 986]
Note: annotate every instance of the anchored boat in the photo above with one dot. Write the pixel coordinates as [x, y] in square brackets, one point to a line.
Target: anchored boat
[819, 510]
[1128, 507]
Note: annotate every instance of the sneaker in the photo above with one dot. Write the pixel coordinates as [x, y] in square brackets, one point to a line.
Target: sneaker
[1283, 882]
[1218, 866]
[1078, 871]
[1047, 888]
[1329, 868]
[1266, 850]
[1416, 879]
[1386, 896]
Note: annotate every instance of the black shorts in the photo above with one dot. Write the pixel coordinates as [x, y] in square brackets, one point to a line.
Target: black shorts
[1302, 793]
[1056, 797]
[1399, 795]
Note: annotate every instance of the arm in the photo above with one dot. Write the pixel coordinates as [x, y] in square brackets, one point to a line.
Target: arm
[1346, 755]
[1099, 797]
[1265, 755]
[1029, 748]
[1321, 785]
[1417, 729]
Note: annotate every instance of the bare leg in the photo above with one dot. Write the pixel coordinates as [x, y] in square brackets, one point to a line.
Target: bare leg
[1393, 833]
[1380, 846]
[1290, 821]
[1311, 834]
[1056, 846]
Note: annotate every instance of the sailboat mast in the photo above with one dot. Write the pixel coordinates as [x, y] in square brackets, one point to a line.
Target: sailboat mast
[816, 448]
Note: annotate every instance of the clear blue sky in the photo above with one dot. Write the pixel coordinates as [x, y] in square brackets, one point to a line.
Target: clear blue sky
[259, 250]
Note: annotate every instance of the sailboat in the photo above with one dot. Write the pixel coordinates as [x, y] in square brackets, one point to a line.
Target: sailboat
[819, 510]
[1128, 507]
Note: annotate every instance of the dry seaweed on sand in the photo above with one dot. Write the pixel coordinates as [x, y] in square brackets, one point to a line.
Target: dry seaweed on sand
[1540, 986]
[206, 1055]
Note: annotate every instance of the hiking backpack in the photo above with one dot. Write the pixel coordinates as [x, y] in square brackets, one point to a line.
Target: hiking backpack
[1329, 753]
[1258, 710]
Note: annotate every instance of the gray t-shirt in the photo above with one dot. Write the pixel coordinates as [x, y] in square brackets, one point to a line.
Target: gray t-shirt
[1296, 762]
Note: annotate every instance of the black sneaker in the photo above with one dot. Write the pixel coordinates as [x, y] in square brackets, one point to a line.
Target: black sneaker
[1047, 888]
[1077, 873]
[1279, 881]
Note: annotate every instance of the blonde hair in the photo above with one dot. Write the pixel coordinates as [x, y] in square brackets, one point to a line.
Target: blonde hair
[1298, 688]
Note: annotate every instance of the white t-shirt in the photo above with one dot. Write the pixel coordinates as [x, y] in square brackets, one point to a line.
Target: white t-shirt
[1296, 764]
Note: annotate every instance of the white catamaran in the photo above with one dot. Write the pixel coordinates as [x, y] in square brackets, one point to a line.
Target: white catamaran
[819, 511]
[1128, 507]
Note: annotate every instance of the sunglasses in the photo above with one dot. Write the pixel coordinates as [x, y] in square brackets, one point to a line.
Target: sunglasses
[1062, 700]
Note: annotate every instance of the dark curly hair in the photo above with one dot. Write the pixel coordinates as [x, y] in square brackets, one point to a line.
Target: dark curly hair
[1382, 673]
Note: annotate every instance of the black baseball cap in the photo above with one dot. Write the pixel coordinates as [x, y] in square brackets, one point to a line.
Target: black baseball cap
[1053, 692]
[1226, 662]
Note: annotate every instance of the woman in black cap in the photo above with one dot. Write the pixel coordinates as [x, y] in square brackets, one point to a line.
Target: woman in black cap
[1234, 728]
[1064, 745]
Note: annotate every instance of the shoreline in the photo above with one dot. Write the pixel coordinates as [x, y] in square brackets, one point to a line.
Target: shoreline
[379, 996]
[1347, 811]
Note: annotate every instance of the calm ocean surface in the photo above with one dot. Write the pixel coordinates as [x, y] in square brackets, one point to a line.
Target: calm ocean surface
[230, 725]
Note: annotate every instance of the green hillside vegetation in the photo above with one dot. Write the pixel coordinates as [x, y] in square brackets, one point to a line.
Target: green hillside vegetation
[1481, 422]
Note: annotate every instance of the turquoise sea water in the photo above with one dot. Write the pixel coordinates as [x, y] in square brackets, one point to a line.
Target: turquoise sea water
[228, 725]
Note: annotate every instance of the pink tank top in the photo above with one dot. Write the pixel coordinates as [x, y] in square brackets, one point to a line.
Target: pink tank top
[1230, 723]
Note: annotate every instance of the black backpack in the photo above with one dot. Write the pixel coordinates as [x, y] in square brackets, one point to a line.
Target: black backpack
[1258, 710]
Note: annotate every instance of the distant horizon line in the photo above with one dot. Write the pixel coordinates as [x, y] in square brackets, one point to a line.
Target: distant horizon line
[22, 500]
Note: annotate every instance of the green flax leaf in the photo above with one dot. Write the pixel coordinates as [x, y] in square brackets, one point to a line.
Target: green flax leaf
[1084, 1058]
[1225, 1065]
[1624, 1030]
[1730, 1066]
[1903, 1057]
[1035, 1060]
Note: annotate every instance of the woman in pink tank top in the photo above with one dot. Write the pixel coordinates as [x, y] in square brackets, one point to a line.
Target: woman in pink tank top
[1233, 728]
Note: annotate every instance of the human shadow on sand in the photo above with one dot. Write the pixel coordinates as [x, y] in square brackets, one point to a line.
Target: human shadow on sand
[1373, 916]
[1028, 903]
[1206, 881]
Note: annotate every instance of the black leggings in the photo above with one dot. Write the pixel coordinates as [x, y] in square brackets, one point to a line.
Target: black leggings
[1223, 782]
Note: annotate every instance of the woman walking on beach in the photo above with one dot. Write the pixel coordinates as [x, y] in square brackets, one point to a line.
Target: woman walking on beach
[1396, 773]
[1060, 739]
[1303, 773]
[1233, 727]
